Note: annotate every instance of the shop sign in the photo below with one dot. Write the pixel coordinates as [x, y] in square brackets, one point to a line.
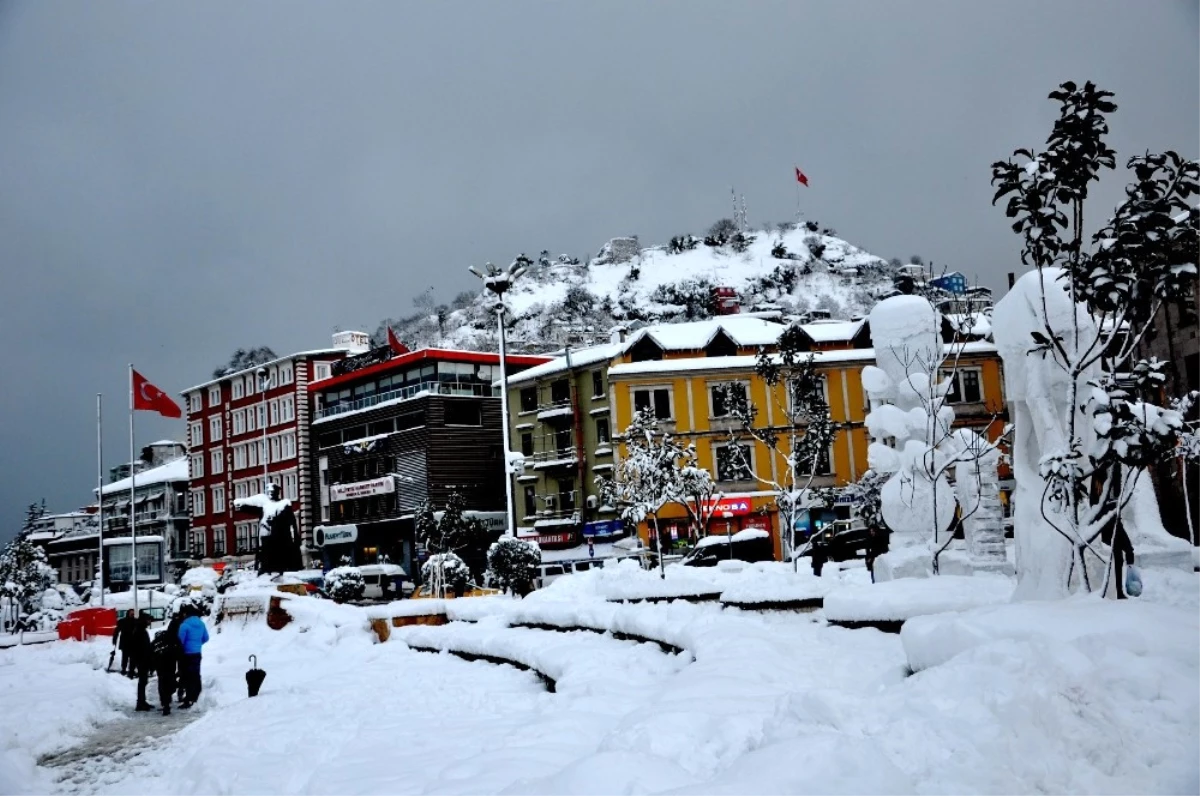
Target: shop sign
[492, 520]
[847, 500]
[730, 507]
[335, 534]
[602, 528]
[554, 538]
[360, 489]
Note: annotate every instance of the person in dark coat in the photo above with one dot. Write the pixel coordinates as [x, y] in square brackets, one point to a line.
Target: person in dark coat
[167, 656]
[123, 637]
[141, 658]
[877, 545]
[819, 555]
[1122, 556]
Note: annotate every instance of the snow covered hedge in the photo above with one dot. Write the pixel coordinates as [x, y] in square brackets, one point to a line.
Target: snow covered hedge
[343, 584]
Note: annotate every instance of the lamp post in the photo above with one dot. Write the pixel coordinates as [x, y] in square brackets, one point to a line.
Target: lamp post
[263, 384]
[498, 281]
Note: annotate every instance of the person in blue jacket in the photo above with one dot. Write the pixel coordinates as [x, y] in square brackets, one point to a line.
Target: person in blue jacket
[192, 637]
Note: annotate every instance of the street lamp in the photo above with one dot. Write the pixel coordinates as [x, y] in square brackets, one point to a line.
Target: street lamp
[498, 281]
[263, 384]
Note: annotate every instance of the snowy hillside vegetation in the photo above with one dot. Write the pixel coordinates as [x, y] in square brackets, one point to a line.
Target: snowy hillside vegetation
[792, 268]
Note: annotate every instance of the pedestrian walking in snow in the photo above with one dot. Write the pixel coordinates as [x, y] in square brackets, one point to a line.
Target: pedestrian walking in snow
[877, 545]
[167, 651]
[140, 658]
[818, 557]
[122, 637]
[193, 635]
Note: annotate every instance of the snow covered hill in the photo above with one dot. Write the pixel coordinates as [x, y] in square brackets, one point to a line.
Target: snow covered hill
[561, 300]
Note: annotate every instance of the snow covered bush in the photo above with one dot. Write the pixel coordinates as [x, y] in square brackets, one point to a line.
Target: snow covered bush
[446, 572]
[344, 584]
[24, 575]
[1087, 412]
[513, 564]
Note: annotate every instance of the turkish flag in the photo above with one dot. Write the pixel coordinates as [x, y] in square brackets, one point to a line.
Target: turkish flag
[395, 344]
[149, 398]
[800, 178]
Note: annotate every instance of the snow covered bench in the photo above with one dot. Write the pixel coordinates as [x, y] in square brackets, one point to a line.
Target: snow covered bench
[622, 622]
[778, 594]
[887, 606]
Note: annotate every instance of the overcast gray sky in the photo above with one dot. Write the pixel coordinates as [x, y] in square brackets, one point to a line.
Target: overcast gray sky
[180, 179]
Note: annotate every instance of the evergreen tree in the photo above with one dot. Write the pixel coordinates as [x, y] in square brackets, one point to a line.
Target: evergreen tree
[24, 574]
[513, 564]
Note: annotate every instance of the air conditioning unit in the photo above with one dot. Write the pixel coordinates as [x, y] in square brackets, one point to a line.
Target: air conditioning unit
[593, 501]
[551, 501]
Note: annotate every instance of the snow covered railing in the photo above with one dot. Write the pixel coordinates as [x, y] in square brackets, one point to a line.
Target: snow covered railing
[887, 606]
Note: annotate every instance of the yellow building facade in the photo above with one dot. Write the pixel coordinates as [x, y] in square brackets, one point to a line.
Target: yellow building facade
[681, 388]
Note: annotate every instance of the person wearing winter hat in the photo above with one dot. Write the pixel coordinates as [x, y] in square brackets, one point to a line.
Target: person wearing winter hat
[193, 635]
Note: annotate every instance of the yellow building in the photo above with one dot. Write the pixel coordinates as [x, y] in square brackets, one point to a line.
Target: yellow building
[678, 383]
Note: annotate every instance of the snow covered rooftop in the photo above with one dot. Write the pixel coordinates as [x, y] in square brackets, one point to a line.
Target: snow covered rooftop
[172, 471]
[827, 358]
[316, 352]
[580, 358]
[747, 331]
[832, 331]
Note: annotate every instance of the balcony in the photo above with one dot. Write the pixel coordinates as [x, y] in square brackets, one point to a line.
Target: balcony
[557, 410]
[560, 457]
[557, 508]
[410, 391]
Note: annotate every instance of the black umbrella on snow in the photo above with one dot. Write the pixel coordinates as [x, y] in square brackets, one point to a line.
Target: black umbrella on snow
[255, 677]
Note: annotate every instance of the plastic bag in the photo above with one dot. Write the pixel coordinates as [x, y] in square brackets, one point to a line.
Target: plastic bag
[1133, 581]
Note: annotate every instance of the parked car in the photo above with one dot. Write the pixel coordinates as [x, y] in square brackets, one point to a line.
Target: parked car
[750, 545]
[843, 540]
[386, 581]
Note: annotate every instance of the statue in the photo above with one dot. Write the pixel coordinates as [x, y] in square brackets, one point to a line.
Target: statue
[278, 531]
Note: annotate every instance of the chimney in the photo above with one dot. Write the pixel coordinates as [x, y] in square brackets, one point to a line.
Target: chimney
[1012, 280]
[617, 334]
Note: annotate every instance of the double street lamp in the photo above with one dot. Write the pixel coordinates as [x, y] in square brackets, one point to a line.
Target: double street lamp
[498, 281]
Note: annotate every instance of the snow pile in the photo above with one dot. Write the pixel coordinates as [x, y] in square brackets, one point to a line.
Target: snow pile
[777, 589]
[900, 600]
[199, 577]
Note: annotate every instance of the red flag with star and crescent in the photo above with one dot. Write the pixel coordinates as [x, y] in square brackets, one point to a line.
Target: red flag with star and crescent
[149, 398]
[801, 177]
[394, 343]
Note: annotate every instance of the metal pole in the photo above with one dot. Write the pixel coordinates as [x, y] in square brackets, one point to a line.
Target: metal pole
[509, 519]
[100, 491]
[132, 504]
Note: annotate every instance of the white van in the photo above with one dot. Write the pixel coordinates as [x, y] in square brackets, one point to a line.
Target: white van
[393, 576]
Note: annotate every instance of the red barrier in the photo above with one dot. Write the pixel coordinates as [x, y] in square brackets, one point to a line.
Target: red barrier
[71, 629]
[96, 621]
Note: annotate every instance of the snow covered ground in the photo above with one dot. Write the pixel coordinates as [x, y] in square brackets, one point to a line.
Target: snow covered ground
[1080, 696]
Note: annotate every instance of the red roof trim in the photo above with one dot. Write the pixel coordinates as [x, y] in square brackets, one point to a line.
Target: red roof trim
[423, 355]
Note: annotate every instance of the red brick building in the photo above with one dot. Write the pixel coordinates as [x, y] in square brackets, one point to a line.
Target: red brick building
[240, 434]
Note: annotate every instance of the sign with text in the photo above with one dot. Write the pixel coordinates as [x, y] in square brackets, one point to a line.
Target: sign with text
[334, 534]
[730, 507]
[361, 489]
[602, 528]
[554, 538]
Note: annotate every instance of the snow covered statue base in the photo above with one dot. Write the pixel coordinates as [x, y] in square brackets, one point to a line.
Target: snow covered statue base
[913, 441]
[1038, 392]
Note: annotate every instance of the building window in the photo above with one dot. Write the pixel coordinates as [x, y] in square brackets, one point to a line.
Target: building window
[965, 386]
[238, 389]
[197, 543]
[242, 530]
[239, 422]
[526, 443]
[250, 419]
[194, 402]
[261, 412]
[566, 494]
[218, 495]
[253, 450]
[287, 409]
[824, 464]
[560, 391]
[656, 399]
[198, 509]
[462, 413]
[726, 398]
[249, 382]
[196, 435]
[291, 487]
[322, 370]
[602, 433]
[530, 501]
[276, 448]
[216, 462]
[597, 384]
[274, 405]
[529, 399]
[214, 395]
[734, 462]
[289, 446]
[218, 534]
[198, 466]
[239, 490]
[285, 374]
[239, 457]
[214, 428]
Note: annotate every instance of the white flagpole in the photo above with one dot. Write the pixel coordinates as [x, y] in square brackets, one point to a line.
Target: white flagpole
[100, 490]
[132, 504]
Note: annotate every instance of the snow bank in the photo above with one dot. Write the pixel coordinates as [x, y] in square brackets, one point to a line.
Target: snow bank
[900, 600]
[200, 576]
[1136, 626]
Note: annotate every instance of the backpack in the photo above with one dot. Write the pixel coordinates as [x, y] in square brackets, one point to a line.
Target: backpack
[165, 646]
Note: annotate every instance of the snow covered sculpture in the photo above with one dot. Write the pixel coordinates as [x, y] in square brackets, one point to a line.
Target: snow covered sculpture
[278, 531]
[907, 407]
[977, 485]
[1053, 438]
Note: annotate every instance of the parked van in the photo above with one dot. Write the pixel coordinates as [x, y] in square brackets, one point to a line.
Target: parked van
[386, 581]
[750, 545]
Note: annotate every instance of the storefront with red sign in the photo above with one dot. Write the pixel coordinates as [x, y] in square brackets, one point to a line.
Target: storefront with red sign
[729, 515]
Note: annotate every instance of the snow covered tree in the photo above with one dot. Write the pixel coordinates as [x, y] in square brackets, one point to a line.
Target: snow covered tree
[466, 537]
[24, 575]
[245, 358]
[513, 564]
[446, 572]
[799, 443]
[1089, 416]
[33, 513]
[344, 584]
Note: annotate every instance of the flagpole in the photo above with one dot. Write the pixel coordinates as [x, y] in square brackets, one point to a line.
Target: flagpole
[796, 184]
[132, 504]
[100, 489]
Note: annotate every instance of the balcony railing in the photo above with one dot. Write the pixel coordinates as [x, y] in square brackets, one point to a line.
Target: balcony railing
[559, 457]
[410, 391]
[557, 505]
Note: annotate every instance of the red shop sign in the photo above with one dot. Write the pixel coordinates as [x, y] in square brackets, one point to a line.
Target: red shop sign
[731, 507]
